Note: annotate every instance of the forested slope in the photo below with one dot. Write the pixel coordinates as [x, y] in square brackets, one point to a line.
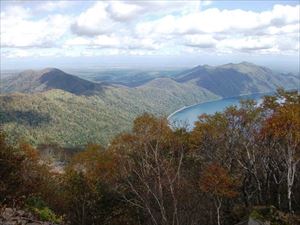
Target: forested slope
[67, 119]
[237, 79]
[52, 106]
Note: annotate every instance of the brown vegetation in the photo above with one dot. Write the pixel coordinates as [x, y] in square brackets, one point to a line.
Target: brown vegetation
[230, 163]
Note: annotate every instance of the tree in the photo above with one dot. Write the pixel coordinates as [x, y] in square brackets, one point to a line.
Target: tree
[283, 127]
[230, 139]
[90, 185]
[217, 182]
[10, 172]
[153, 160]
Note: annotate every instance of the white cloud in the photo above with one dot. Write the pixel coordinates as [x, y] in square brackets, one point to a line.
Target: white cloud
[16, 12]
[287, 29]
[16, 53]
[147, 27]
[112, 41]
[107, 16]
[200, 41]
[94, 21]
[144, 43]
[106, 41]
[230, 30]
[248, 43]
[18, 29]
[121, 11]
[77, 41]
[284, 14]
[24, 53]
[217, 21]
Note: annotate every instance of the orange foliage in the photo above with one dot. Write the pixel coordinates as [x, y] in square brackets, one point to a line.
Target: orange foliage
[29, 152]
[285, 122]
[96, 163]
[217, 181]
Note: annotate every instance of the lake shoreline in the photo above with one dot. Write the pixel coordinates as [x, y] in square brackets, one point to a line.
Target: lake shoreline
[209, 101]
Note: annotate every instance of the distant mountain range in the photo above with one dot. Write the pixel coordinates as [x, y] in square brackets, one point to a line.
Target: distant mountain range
[225, 80]
[52, 106]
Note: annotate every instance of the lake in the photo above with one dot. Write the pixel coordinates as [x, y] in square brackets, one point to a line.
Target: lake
[189, 115]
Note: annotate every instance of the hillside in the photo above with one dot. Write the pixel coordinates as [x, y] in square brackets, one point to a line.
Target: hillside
[224, 171]
[68, 119]
[31, 81]
[53, 106]
[236, 79]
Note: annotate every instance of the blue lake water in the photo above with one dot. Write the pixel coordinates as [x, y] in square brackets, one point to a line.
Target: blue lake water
[188, 116]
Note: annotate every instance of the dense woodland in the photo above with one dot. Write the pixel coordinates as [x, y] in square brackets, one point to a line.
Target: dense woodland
[57, 116]
[230, 163]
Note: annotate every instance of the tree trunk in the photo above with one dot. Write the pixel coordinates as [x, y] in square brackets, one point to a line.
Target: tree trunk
[279, 200]
[290, 176]
[218, 206]
[289, 196]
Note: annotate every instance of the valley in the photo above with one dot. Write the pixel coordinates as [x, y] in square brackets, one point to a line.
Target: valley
[51, 106]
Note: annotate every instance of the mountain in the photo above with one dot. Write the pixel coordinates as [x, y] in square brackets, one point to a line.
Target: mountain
[225, 80]
[53, 106]
[57, 116]
[236, 79]
[31, 81]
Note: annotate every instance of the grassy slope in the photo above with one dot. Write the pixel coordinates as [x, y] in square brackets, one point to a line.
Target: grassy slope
[67, 119]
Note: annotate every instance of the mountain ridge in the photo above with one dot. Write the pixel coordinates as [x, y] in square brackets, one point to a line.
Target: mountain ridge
[31, 81]
[68, 117]
[236, 79]
[226, 80]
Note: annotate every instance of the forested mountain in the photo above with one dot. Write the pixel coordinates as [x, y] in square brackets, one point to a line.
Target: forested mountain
[31, 81]
[68, 119]
[225, 80]
[53, 106]
[236, 79]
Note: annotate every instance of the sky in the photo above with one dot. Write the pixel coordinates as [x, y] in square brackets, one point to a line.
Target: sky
[96, 34]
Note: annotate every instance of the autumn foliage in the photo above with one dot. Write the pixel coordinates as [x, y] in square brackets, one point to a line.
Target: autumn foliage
[217, 181]
[156, 175]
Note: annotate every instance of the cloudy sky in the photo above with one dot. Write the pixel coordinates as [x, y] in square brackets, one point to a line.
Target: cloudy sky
[149, 33]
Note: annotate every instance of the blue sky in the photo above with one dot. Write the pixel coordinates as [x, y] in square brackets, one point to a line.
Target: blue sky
[253, 5]
[92, 34]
